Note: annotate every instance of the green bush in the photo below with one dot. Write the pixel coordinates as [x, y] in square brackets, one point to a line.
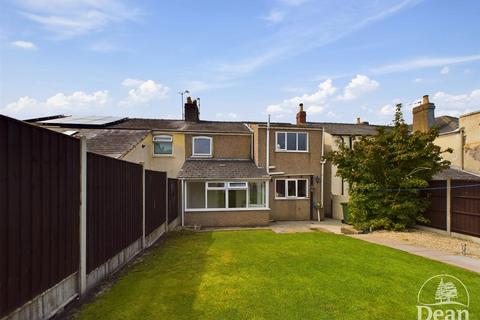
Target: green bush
[385, 173]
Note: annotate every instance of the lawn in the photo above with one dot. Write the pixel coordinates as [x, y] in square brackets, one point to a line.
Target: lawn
[264, 275]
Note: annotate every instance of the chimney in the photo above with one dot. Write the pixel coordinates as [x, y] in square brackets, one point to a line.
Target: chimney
[301, 116]
[423, 115]
[192, 114]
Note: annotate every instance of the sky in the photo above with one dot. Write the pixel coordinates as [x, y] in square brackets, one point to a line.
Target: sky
[244, 59]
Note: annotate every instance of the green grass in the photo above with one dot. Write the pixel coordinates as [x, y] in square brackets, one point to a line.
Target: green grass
[263, 275]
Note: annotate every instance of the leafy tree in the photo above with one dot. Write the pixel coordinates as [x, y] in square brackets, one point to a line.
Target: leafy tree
[385, 173]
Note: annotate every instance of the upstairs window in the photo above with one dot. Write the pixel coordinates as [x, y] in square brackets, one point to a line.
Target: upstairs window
[292, 141]
[162, 145]
[202, 147]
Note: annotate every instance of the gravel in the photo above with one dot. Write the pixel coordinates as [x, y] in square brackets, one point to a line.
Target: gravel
[433, 240]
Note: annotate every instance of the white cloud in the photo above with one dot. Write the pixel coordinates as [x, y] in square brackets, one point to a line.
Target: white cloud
[445, 70]
[387, 110]
[275, 16]
[229, 115]
[314, 103]
[359, 85]
[456, 105]
[78, 102]
[27, 45]
[423, 63]
[67, 19]
[418, 80]
[143, 91]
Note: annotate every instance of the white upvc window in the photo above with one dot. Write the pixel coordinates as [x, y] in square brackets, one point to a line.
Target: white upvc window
[202, 146]
[291, 188]
[163, 145]
[291, 141]
[225, 195]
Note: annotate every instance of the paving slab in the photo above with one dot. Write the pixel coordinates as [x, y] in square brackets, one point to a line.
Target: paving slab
[464, 262]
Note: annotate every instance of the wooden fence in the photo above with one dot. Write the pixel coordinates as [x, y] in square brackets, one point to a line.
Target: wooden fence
[173, 199]
[114, 207]
[39, 210]
[463, 216]
[41, 238]
[155, 200]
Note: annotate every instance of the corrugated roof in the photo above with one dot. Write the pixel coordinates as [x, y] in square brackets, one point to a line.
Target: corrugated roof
[221, 169]
[181, 125]
[455, 174]
[109, 142]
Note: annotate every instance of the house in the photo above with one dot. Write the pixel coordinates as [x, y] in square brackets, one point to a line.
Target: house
[232, 173]
[461, 134]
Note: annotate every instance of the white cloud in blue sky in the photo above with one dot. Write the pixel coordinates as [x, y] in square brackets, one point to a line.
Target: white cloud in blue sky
[245, 59]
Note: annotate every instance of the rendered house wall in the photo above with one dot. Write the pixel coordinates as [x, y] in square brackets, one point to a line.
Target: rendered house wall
[471, 124]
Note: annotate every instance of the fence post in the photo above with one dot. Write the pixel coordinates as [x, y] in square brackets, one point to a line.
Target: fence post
[449, 205]
[143, 206]
[167, 201]
[82, 269]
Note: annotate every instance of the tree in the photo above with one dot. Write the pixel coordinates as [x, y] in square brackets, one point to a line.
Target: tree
[385, 173]
[446, 292]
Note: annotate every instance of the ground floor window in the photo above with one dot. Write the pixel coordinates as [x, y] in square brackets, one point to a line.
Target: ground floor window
[291, 188]
[225, 195]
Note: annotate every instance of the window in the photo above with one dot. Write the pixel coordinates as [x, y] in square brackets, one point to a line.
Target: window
[225, 195]
[292, 141]
[162, 145]
[196, 195]
[291, 188]
[202, 146]
[257, 194]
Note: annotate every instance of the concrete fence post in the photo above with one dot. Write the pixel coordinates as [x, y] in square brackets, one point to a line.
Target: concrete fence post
[449, 205]
[82, 268]
[167, 200]
[144, 244]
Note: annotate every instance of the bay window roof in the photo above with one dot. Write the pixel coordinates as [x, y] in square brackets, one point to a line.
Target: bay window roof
[221, 169]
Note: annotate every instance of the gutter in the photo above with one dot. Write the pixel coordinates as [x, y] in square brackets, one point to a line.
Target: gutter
[323, 161]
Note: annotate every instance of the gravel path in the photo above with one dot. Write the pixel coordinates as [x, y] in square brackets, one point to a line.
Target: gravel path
[432, 240]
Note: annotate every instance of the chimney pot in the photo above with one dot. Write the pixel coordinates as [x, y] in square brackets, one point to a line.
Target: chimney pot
[425, 99]
[359, 120]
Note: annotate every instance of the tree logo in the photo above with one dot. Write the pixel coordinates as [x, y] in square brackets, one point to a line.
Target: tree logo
[443, 297]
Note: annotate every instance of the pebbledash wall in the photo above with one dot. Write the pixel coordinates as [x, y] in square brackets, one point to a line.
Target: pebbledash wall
[69, 218]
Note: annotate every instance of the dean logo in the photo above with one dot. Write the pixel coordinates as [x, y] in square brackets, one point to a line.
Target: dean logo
[443, 297]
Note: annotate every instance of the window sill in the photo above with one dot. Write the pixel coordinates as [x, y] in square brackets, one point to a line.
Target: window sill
[226, 209]
[291, 151]
[202, 156]
[293, 198]
[162, 155]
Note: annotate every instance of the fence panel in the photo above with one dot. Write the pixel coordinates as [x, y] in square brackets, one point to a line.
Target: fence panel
[114, 207]
[155, 200]
[466, 207]
[39, 210]
[437, 211]
[173, 199]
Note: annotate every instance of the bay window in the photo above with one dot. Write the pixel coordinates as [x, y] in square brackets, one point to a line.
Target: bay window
[225, 195]
[291, 188]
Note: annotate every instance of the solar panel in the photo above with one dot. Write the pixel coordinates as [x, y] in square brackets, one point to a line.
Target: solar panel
[83, 121]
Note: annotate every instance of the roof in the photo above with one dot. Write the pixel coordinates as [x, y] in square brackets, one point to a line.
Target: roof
[181, 125]
[446, 124]
[334, 128]
[109, 142]
[455, 174]
[79, 121]
[221, 169]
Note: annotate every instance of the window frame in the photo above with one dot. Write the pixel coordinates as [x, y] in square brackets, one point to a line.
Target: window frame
[202, 155]
[296, 197]
[277, 149]
[162, 136]
[227, 188]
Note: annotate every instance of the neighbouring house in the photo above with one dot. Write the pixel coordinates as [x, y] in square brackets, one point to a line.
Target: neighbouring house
[461, 134]
[232, 173]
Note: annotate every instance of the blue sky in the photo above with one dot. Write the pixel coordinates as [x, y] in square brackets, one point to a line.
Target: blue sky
[245, 59]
